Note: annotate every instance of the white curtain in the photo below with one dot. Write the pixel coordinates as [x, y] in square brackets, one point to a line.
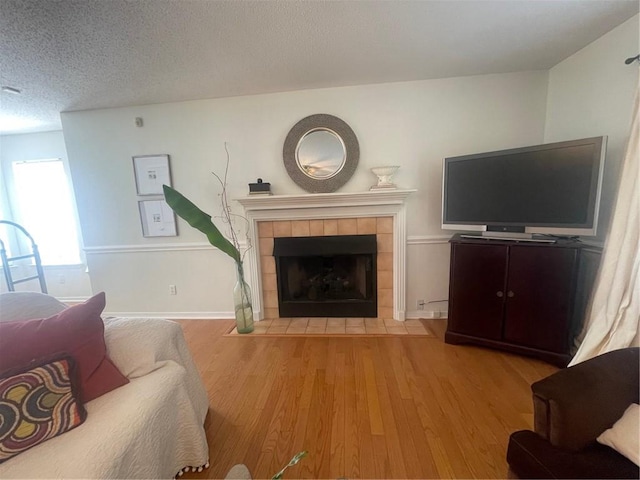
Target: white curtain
[614, 316]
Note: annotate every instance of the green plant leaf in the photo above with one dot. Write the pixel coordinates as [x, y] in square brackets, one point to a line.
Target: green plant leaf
[199, 220]
[297, 457]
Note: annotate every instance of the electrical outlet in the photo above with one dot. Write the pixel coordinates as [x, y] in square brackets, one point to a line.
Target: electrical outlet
[62, 279]
[173, 290]
[420, 305]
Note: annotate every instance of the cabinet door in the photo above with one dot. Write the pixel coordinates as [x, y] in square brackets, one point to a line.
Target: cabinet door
[540, 297]
[476, 290]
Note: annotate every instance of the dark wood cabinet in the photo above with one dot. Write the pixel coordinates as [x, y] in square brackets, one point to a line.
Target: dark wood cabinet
[517, 296]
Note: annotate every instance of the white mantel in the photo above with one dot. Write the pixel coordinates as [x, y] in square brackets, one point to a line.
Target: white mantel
[323, 200]
[373, 203]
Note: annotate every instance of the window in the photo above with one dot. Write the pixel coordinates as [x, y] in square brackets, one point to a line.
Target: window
[4, 214]
[43, 205]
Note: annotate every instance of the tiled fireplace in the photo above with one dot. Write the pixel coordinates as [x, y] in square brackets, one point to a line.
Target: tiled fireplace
[330, 228]
[315, 215]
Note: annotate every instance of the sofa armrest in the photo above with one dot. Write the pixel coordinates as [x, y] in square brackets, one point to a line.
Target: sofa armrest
[575, 405]
[530, 456]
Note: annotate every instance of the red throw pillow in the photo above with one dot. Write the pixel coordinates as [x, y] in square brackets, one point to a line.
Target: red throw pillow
[78, 331]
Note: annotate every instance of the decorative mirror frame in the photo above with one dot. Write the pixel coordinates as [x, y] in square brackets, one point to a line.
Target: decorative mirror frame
[311, 123]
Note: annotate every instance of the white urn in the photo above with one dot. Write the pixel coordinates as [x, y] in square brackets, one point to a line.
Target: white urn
[384, 174]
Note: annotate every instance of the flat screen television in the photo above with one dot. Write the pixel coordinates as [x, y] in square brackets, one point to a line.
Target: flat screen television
[551, 189]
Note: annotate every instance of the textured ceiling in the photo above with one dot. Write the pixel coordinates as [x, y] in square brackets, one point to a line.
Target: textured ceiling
[85, 54]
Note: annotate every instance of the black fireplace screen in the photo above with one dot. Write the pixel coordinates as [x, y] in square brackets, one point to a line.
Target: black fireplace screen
[333, 276]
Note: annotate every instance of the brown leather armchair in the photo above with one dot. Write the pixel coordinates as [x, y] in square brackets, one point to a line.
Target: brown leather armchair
[572, 408]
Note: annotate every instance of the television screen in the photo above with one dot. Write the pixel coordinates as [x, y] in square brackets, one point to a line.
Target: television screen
[551, 188]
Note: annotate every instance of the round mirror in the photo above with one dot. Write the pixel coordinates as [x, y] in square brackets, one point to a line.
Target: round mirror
[321, 153]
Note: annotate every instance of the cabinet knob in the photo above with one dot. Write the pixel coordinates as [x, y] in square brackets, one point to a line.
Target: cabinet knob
[510, 294]
[499, 294]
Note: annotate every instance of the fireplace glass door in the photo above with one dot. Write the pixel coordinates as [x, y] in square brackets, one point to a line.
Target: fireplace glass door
[331, 276]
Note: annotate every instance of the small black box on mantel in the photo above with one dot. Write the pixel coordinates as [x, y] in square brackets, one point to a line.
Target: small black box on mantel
[259, 188]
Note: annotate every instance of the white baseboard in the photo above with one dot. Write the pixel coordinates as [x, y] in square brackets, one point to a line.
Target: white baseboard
[174, 315]
[72, 299]
[428, 239]
[229, 315]
[426, 314]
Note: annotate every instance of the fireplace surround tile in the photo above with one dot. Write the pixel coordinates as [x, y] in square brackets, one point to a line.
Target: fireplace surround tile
[385, 225]
[385, 298]
[265, 229]
[299, 322]
[374, 325]
[266, 246]
[367, 225]
[347, 226]
[281, 228]
[337, 326]
[336, 329]
[297, 327]
[302, 228]
[316, 228]
[271, 300]
[335, 322]
[373, 322]
[268, 264]
[354, 322]
[385, 242]
[399, 330]
[359, 330]
[318, 325]
[277, 329]
[270, 281]
[330, 227]
[280, 322]
[385, 261]
[385, 279]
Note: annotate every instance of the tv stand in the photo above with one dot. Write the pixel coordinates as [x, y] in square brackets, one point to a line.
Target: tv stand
[516, 296]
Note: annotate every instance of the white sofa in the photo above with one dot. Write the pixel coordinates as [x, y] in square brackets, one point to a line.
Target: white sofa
[151, 427]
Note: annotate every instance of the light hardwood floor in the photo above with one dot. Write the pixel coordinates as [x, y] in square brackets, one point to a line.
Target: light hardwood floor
[383, 407]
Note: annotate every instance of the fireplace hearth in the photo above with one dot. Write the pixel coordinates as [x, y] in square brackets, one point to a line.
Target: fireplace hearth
[326, 276]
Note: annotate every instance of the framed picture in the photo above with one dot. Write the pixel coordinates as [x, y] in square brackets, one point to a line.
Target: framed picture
[151, 171]
[157, 218]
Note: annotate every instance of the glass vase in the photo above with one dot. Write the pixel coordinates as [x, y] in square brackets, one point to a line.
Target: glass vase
[242, 302]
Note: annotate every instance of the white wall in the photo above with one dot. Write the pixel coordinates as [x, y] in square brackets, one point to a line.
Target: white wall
[68, 282]
[591, 93]
[412, 124]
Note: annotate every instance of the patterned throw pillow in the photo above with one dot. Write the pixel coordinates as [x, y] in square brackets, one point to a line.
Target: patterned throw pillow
[38, 404]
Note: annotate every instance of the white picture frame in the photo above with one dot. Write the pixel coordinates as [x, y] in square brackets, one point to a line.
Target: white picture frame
[151, 172]
[157, 219]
